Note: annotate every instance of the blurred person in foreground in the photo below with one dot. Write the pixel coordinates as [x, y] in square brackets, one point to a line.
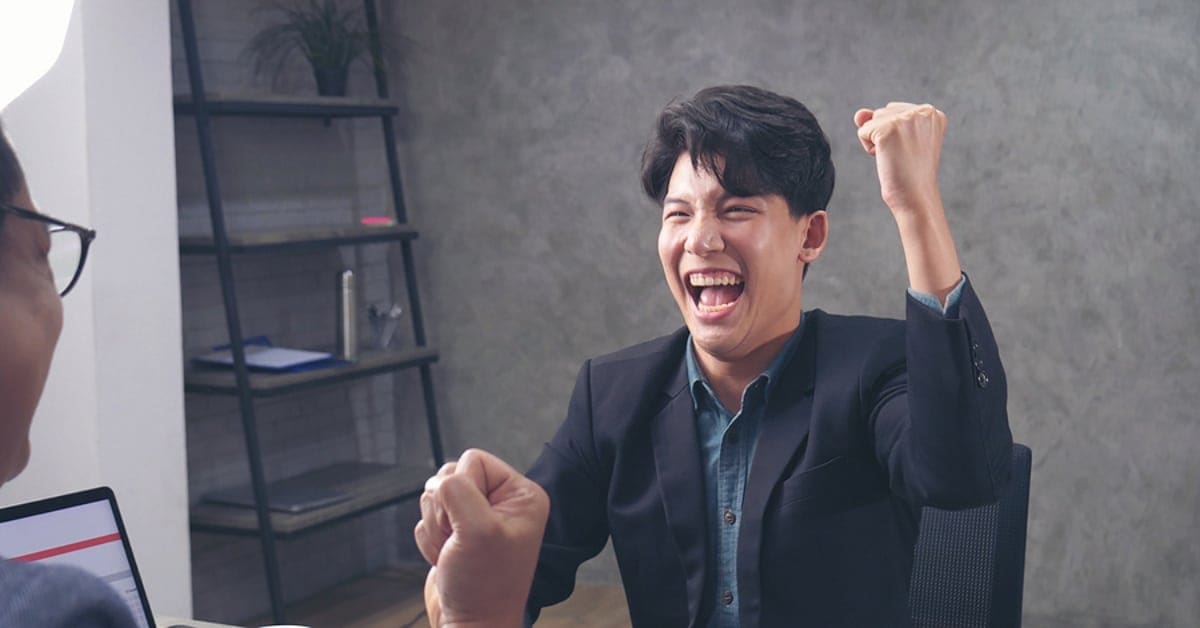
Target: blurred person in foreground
[765, 465]
[40, 261]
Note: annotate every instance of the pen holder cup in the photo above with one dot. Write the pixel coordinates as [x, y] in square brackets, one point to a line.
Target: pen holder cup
[384, 325]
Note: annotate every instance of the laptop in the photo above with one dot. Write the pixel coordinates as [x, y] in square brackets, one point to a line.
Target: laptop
[83, 529]
[316, 489]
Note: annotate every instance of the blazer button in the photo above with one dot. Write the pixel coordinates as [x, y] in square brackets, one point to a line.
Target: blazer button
[730, 518]
[982, 379]
[979, 363]
[727, 598]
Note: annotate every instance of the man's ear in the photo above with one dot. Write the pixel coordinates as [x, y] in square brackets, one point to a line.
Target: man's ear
[815, 234]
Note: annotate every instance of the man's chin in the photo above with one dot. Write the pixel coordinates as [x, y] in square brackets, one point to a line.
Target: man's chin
[714, 343]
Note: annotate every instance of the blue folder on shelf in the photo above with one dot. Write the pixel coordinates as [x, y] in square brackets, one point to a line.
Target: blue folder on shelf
[263, 356]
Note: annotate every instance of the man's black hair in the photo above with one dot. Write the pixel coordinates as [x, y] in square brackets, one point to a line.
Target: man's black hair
[765, 144]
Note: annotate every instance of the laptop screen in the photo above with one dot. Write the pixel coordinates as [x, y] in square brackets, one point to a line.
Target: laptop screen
[81, 529]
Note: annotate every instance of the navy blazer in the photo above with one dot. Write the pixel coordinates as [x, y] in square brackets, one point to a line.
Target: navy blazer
[872, 419]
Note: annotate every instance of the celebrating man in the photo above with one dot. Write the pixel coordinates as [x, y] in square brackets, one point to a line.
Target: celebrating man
[765, 465]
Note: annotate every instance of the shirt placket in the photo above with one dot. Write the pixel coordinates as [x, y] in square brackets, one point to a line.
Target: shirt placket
[736, 445]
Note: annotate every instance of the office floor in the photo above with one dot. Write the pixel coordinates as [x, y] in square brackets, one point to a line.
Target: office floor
[393, 599]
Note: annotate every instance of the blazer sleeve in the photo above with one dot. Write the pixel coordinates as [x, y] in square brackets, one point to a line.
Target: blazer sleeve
[939, 416]
[570, 472]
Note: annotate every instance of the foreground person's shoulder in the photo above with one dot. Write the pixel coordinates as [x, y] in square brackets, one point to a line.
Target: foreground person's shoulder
[58, 595]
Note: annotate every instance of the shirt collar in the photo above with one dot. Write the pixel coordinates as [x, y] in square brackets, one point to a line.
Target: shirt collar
[697, 382]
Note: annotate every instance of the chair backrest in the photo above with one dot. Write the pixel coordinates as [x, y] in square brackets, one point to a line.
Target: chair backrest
[969, 565]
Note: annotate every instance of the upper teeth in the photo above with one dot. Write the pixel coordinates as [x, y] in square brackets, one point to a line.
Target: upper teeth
[719, 279]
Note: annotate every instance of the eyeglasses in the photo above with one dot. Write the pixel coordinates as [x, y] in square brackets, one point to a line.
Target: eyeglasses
[68, 246]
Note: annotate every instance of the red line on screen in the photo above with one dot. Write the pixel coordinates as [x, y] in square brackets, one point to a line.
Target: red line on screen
[68, 548]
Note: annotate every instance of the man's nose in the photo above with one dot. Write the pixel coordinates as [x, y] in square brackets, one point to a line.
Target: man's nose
[704, 237]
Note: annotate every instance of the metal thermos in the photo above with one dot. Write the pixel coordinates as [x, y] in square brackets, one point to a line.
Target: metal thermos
[347, 316]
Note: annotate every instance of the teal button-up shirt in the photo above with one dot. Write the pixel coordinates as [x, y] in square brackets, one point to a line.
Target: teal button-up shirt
[727, 443]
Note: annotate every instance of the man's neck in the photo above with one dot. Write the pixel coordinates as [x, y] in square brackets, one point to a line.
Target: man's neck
[729, 378]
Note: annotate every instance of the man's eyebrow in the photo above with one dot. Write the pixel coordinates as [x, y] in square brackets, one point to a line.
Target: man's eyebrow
[721, 199]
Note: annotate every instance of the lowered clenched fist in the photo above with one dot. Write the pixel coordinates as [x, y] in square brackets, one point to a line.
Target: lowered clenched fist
[481, 528]
[906, 140]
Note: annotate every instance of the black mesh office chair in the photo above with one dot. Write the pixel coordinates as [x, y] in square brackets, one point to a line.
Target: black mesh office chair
[969, 565]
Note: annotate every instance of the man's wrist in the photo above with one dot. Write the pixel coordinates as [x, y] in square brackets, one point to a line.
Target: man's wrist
[518, 622]
[920, 218]
[497, 618]
[916, 207]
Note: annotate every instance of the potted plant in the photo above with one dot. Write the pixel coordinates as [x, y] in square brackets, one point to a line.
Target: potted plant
[331, 37]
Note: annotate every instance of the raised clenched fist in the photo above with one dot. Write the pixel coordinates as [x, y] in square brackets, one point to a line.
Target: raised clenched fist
[906, 141]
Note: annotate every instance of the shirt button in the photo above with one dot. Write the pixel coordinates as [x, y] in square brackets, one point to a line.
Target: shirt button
[727, 598]
[730, 518]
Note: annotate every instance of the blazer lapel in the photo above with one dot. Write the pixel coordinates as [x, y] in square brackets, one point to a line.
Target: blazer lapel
[785, 422]
[783, 431]
[681, 478]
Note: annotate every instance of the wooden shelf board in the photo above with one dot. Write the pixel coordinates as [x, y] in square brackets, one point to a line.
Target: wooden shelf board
[284, 105]
[266, 241]
[220, 381]
[381, 489]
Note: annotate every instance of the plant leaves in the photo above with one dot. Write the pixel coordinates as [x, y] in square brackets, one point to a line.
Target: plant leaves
[326, 34]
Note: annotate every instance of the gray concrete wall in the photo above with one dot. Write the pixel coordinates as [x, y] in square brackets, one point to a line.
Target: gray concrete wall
[1070, 177]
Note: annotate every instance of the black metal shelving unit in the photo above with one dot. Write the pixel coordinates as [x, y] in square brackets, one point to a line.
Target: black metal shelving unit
[297, 239]
[366, 492]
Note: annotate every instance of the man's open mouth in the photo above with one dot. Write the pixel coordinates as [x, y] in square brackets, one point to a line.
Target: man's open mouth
[714, 292]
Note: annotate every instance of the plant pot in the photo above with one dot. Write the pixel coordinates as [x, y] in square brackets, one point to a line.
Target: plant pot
[331, 81]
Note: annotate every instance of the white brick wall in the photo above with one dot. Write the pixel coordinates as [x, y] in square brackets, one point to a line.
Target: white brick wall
[279, 174]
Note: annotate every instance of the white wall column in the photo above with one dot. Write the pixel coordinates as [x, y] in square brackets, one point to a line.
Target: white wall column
[96, 138]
